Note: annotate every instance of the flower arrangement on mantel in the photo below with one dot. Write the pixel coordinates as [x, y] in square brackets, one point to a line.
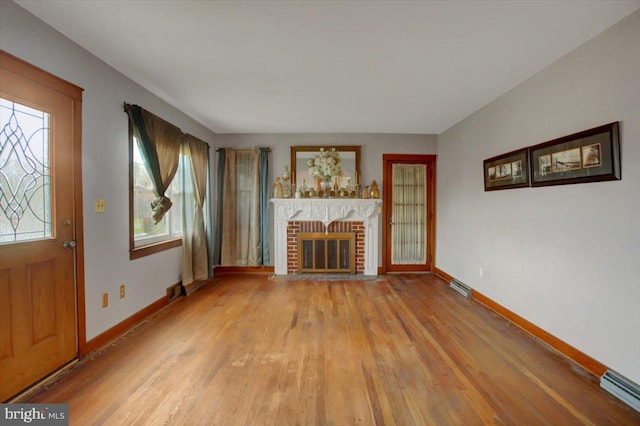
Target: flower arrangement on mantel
[325, 165]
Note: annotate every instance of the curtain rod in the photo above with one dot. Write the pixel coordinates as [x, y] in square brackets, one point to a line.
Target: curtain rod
[128, 106]
[243, 150]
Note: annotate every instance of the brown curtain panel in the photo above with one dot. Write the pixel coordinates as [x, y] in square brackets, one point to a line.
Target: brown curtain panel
[229, 243]
[160, 145]
[194, 247]
[167, 141]
[241, 208]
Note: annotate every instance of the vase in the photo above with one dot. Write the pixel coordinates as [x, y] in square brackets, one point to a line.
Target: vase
[326, 186]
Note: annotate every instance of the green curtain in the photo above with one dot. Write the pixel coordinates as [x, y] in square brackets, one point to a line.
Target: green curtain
[264, 205]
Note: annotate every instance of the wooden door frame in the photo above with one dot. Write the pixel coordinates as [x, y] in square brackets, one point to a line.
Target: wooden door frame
[430, 160]
[52, 82]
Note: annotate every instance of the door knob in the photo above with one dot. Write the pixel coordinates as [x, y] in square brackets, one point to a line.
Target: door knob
[69, 244]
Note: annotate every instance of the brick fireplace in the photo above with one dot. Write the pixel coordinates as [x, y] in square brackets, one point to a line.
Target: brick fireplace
[296, 227]
[321, 215]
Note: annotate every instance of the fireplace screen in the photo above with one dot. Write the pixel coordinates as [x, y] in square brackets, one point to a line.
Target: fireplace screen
[326, 253]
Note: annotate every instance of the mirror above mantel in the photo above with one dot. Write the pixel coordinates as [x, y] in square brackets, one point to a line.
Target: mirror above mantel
[349, 159]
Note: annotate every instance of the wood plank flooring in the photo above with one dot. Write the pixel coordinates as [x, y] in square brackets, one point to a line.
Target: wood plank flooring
[400, 350]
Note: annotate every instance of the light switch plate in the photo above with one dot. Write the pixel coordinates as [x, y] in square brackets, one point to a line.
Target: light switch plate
[101, 205]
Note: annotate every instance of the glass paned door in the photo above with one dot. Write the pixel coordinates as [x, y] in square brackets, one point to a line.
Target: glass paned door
[408, 199]
[25, 173]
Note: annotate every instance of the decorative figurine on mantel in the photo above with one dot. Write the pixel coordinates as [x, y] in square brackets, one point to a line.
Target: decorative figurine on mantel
[365, 192]
[349, 188]
[375, 192]
[277, 188]
[303, 189]
[286, 189]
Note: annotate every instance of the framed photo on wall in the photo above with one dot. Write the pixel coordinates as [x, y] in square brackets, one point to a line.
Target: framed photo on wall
[506, 171]
[589, 156]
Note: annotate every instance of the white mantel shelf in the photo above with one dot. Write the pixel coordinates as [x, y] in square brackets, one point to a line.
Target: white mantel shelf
[326, 210]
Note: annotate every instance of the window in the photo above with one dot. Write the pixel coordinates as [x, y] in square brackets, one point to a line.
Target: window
[147, 237]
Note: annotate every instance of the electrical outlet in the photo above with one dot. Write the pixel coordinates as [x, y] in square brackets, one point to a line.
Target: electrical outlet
[105, 300]
[101, 205]
[481, 271]
[122, 291]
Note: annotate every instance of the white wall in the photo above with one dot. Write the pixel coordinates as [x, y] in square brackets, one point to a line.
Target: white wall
[373, 145]
[566, 258]
[105, 167]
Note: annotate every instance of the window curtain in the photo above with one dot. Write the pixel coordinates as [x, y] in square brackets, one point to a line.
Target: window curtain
[228, 249]
[241, 236]
[265, 189]
[217, 237]
[208, 215]
[409, 230]
[194, 240]
[160, 146]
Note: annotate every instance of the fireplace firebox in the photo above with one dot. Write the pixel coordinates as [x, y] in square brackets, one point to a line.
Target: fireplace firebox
[326, 253]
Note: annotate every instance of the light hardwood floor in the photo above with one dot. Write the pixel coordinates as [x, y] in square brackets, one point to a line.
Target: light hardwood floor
[403, 349]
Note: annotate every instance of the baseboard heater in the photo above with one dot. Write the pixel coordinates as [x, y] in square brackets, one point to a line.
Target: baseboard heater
[622, 388]
[461, 288]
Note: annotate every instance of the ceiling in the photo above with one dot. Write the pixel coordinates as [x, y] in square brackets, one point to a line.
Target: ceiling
[329, 66]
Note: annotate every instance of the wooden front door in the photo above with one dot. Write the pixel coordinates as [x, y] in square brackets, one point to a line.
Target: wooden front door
[37, 225]
[408, 200]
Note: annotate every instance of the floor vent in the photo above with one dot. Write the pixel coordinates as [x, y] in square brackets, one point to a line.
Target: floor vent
[174, 292]
[621, 388]
[460, 288]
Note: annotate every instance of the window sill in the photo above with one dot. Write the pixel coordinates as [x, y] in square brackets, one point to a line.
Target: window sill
[136, 253]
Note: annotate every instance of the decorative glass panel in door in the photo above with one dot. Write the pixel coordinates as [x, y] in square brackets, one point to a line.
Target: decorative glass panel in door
[409, 214]
[25, 173]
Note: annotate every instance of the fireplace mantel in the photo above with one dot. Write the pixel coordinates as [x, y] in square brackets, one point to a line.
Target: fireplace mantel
[326, 210]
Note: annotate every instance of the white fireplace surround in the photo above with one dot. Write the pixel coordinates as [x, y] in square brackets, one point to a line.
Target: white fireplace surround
[326, 210]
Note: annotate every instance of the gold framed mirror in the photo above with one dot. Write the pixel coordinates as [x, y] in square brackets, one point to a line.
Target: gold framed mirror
[349, 160]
